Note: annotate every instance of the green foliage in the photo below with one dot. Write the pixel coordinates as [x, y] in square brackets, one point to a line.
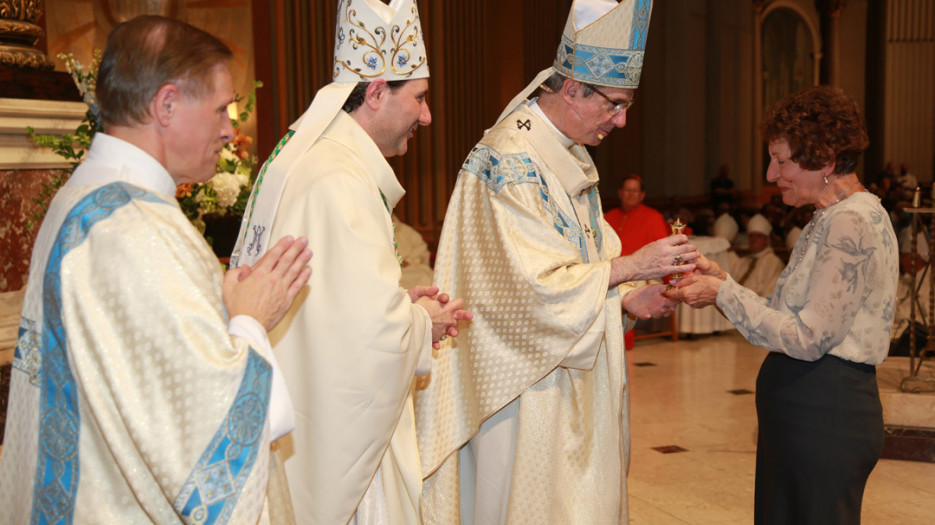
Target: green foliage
[71, 147]
[225, 194]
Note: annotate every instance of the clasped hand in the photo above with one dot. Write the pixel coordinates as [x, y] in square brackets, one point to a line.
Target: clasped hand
[667, 256]
[445, 312]
[648, 302]
[657, 259]
[266, 290]
[699, 287]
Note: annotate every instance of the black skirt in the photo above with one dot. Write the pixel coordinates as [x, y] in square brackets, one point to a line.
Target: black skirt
[820, 435]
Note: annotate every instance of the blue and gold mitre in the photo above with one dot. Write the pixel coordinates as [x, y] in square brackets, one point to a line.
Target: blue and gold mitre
[604, 41]
[375, 40]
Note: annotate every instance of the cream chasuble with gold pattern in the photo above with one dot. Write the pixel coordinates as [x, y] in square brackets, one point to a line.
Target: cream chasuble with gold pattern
[349, 347]
[130, 402]
[525, 244]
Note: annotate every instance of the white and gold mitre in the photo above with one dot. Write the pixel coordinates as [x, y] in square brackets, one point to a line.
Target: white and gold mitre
[375, 40]
[372, 41]
[604, 41]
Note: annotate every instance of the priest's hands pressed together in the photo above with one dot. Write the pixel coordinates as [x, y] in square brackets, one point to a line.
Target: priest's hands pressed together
[266, 290]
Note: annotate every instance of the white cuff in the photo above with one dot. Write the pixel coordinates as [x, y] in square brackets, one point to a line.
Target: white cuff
[281, 417]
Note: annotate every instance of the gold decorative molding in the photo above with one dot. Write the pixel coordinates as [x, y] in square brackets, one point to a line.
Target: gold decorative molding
[29, 10]
[19, 32]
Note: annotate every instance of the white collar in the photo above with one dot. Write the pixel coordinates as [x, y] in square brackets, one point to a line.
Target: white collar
[111, 159]
[534, 106]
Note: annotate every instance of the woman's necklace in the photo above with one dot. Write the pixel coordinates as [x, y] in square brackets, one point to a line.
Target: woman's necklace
[843, 193]
[802, 245]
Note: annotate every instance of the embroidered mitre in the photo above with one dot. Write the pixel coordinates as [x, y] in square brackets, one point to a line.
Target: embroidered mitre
[375, 40]
[604, 42]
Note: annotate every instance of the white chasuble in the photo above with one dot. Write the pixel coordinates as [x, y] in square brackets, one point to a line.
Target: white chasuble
[349, 347]
[525, 244]
[130, 402]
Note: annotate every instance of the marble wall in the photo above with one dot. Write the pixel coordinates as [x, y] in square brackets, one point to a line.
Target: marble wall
[17, 189]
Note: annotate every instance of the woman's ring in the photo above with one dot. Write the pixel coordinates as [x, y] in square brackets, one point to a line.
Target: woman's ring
[443, 337]
[677, 260]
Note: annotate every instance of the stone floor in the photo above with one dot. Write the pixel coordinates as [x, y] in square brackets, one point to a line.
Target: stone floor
[693, 427]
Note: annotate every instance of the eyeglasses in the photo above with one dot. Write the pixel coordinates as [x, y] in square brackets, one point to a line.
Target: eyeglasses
[619, 106]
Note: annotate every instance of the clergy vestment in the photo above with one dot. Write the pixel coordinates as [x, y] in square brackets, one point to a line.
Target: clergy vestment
[350, 346]
[636, 227]
[525, 244]
[130, 401]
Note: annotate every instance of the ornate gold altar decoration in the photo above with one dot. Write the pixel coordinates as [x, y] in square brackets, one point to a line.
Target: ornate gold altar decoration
[19, 32]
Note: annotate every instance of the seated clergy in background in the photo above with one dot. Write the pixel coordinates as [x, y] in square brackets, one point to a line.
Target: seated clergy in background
[144, 389]
[635, 223]
[416, 265]
[759, 270]
[725, 226]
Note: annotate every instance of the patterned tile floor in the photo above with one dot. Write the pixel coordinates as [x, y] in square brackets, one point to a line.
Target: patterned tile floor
[696, 399]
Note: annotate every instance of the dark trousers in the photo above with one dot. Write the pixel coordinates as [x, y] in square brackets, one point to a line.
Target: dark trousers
[820, 435]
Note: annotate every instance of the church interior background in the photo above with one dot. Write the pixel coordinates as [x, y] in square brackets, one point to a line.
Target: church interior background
[711, 69]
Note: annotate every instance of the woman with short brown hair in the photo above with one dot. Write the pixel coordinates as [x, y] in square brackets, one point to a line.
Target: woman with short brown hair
[826, 324]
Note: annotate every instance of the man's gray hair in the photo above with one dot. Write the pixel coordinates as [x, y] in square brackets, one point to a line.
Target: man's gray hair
[556, 80]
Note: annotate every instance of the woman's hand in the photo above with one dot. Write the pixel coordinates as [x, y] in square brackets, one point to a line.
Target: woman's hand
[706, 266]
[696, 290]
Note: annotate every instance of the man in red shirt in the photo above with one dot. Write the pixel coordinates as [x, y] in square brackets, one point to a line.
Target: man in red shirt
[635, 223]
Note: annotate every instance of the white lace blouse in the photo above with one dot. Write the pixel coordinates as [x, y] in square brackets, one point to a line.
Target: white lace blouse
[837, 295]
